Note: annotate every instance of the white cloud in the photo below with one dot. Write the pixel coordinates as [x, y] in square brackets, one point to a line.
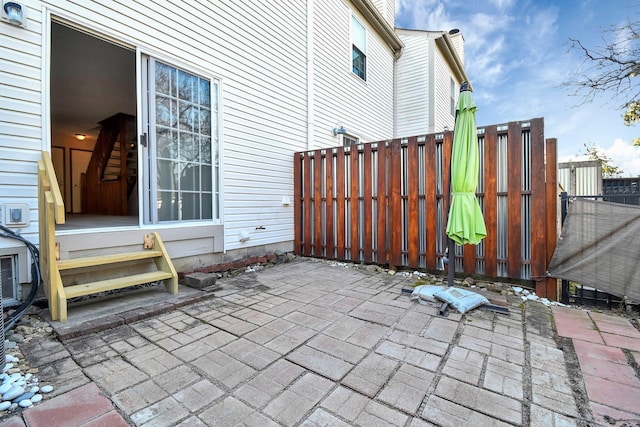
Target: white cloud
[419, 14]
[625, 156]
[622, 154]
[518, 58]
[503, 4]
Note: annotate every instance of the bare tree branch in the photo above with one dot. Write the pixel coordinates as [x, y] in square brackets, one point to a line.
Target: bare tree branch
[611, 70]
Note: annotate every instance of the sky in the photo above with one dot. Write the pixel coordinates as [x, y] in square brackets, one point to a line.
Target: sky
[518, 56]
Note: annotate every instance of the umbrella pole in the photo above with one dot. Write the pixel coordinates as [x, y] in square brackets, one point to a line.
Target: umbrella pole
[451, 266]
[451, 245]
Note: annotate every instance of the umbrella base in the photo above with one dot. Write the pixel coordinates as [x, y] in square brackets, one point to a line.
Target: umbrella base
[444, 310]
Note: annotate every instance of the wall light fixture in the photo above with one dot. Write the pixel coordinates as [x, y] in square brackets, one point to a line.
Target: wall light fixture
[339, 131]
[15, 13]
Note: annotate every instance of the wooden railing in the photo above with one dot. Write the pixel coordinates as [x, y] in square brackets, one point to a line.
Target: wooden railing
[386, 203]
[50, 213]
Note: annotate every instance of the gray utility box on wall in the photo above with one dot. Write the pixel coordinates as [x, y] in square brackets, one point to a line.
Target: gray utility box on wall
[15, 215]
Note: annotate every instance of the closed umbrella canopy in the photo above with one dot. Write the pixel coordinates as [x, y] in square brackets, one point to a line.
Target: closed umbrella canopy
[465, 224]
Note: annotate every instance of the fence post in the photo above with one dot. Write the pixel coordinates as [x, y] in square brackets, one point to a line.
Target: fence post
[564, 207]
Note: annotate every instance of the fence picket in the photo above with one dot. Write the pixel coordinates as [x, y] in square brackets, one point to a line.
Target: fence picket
[340, 172]
[367, 207]
[330, 224]
[413, 214]
[317, 203]
[514, 184]
[491, 199]
[354, 220]
[430, 201]
[382, 201]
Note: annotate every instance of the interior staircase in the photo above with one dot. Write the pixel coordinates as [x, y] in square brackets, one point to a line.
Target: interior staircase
[112, 171]
[123, 159]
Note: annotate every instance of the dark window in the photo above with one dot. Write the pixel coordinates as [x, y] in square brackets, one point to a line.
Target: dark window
[358, 48]
[348, 140]
[359, 63]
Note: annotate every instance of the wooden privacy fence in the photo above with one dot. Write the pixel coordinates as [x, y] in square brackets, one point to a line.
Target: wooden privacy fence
[386, 203]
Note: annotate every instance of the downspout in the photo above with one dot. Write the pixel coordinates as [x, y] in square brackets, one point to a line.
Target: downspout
[395, 96]
[431, 81]
[310, 80]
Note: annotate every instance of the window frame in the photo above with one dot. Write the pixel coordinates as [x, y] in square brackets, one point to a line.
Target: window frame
[347, 140]
[151, 213]
[358, 48]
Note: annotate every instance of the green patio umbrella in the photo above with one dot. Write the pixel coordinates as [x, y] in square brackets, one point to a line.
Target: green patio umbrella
[465, 224]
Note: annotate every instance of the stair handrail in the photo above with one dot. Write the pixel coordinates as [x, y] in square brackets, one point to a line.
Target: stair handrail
[49, 182]
[50, 212]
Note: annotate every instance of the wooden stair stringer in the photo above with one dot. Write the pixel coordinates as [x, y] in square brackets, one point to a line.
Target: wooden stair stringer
[155, 251]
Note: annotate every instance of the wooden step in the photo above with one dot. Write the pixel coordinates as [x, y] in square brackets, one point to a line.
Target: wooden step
[117, 283]
[154, 251]
[70, 264]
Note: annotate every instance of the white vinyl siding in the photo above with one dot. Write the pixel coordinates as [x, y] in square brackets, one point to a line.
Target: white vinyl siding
[21, 130]
[412, 88]
[21, 120]
[443, 117]
[387, 9]
[258, 53]
[263, 96]
[458, 44]
[423, 86]
[340, 97]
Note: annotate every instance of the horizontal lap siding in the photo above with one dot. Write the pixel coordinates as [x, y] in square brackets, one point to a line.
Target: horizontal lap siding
[443, 118]
[386, 9]
[365, 109]
[257, 50]
[412, 87]
[21, 118]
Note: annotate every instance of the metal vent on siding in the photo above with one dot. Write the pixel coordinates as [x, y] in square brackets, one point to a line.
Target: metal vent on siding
[8, 289]
[8, 278]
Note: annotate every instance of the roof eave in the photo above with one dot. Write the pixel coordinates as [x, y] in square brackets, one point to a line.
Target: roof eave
[451, 56]
[377, 21]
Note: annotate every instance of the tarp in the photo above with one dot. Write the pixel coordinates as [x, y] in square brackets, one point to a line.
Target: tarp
[600, 247]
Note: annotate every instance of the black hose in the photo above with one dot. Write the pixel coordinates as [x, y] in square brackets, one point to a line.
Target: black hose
[9, 321]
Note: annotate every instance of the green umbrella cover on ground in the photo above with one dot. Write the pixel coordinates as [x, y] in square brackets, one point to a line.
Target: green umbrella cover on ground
[465, 224]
